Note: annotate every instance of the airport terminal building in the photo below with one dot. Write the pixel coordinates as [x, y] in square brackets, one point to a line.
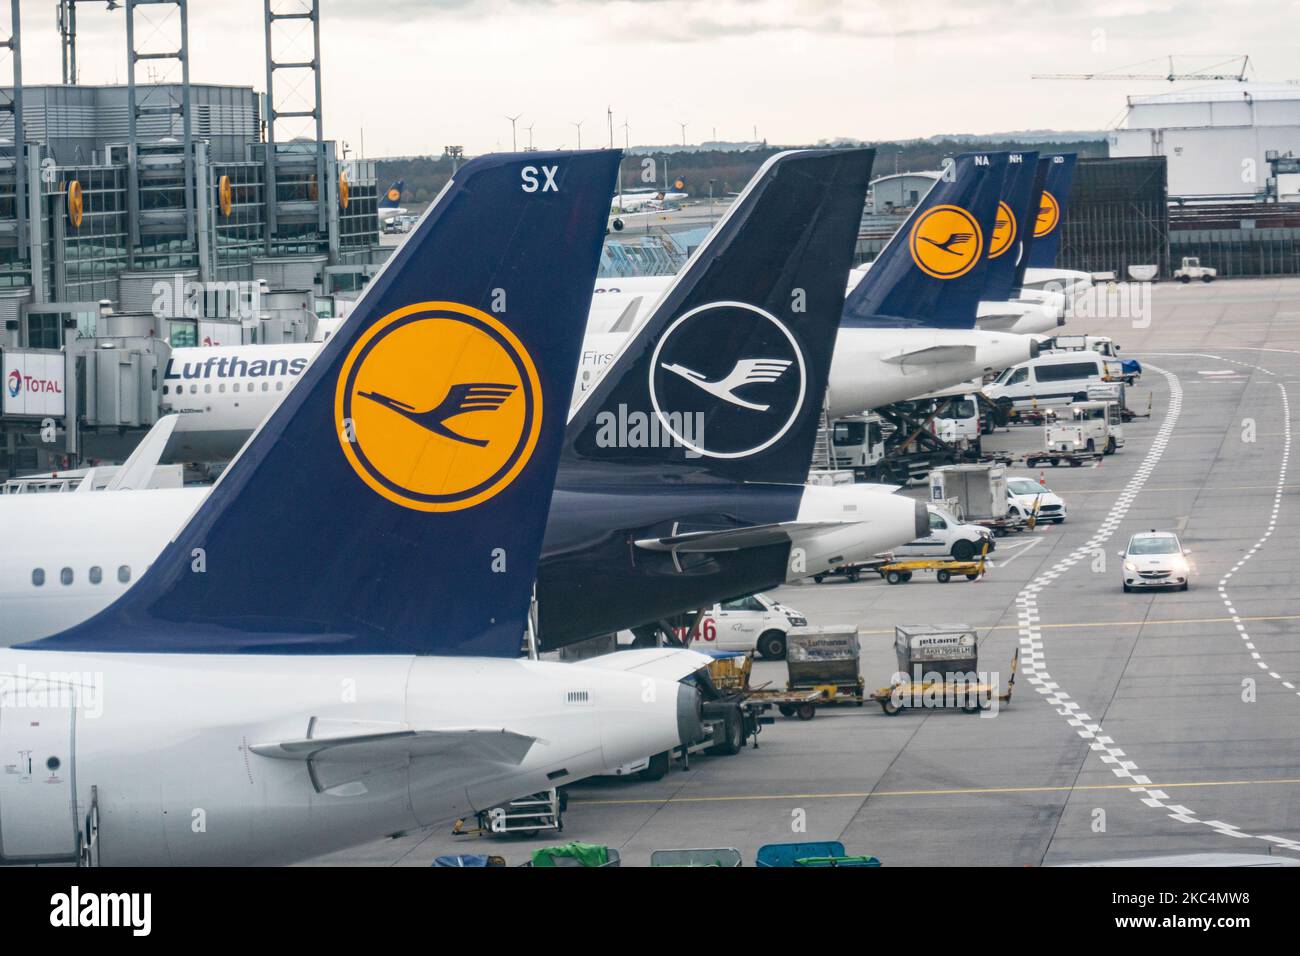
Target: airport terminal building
[141, 217]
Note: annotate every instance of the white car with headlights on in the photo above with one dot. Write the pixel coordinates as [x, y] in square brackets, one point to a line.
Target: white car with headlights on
[1155, 559]
[1025, 493]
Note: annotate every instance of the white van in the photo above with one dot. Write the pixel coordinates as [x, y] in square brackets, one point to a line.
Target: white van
[1056, 378]
[746, 624]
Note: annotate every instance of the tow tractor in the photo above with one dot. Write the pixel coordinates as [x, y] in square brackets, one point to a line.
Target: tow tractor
[1092, 426]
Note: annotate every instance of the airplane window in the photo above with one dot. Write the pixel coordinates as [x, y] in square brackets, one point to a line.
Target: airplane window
[235, 387]
[265, 386]
[207, 389]
[65, 575]
[279, 386]
[166, 388]
[96, 574]
[124, 574]
[221, 387]
[193, 389]
[38, 576]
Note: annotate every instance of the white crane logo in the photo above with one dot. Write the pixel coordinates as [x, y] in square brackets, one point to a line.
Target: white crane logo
[770, 378]
[746, 372]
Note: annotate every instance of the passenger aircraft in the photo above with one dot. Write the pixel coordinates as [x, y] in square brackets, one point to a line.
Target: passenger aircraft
[905, 330]
[390, 203]
[770, 516]
[1042, 271]
[644, 200]
[327, 651]
[682, 478]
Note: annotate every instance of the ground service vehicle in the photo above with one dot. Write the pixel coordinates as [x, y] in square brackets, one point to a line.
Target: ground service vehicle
[1092, 426]
[1192, 269]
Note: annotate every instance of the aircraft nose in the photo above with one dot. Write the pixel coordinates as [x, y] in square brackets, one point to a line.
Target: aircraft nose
[922, 519]
[1034, 348]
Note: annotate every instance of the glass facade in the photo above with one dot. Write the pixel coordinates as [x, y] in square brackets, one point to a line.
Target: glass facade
[94, 252]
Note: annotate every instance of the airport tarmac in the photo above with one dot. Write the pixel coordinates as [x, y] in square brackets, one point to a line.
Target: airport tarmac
[1141, 724]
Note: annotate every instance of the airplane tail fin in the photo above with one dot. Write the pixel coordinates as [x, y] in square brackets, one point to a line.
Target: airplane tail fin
[1031, 219]
[1051, 210]
[1015, 220]
[726, 378]
[349, 524]
[393, 197]
[931, 274]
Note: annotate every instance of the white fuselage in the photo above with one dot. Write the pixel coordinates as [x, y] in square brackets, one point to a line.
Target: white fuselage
[169, 744]
[101, 543]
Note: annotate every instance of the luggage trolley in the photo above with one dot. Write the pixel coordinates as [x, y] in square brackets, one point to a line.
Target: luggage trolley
[824, 660]
[939, 666]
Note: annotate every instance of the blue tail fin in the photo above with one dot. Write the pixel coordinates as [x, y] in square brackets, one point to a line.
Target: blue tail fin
[931, 274]
[1031, 219]
[1051, 210]
[395, 501]
[1015, 220]
[725, 380]
[393, 197]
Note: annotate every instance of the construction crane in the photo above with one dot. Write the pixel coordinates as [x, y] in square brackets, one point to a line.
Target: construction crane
[1172, 76]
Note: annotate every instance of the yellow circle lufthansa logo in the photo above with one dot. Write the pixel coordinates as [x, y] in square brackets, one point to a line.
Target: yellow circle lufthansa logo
[394, 195]
[1049, 214]
[1004, 231]
[439, 406]
[75, 204]
[225, 196]
[946, 242]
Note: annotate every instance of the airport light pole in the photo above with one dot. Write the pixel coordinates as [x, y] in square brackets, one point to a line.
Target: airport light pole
[455, 154]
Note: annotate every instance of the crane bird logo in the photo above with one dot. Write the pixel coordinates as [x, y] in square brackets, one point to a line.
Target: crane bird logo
[1004, 231]
[438, 406]
[1049, 214]
[736, 366]
[946, 242]
[745, 372]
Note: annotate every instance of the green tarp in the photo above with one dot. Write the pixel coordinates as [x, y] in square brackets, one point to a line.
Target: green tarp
[587, 854]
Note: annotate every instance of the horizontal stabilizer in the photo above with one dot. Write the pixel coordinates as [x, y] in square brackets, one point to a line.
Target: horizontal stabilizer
[492, 744]
[733, 539]
[663, 663]
[935, 355]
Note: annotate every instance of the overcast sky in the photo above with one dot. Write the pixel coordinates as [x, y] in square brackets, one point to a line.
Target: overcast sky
[418, 75]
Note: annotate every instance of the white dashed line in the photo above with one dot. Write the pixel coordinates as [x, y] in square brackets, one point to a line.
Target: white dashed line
[1032, 652]
[1268, 533]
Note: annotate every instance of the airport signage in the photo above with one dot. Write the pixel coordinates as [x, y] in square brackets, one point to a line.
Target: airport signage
[32, 383]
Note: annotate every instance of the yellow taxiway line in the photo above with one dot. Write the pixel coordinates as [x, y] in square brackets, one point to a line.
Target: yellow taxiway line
[958, 792]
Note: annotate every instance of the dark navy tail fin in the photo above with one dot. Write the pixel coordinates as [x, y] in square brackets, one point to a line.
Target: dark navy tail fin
[931, 274]
[1015, 220]
[393, 197]
[1031, 219]
[726, 379]
[396, 499]
[1051, 210]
